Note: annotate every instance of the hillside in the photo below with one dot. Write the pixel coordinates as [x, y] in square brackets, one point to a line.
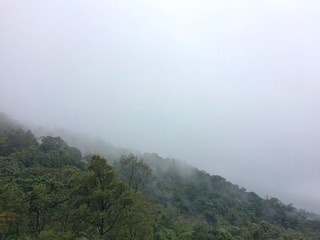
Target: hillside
[48, 190]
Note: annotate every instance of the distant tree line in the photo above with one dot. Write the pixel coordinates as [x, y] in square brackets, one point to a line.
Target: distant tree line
[49, 191]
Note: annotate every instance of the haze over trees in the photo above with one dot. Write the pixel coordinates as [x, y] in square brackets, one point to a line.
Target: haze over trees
[231, 87]
[48, 190]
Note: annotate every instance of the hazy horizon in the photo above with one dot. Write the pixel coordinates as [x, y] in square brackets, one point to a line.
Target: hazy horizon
[230, 87]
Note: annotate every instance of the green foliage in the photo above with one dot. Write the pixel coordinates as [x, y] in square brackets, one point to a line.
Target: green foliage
[48, 192]
[220, 210]
[14, 140]
[135, 173]
[102, 199]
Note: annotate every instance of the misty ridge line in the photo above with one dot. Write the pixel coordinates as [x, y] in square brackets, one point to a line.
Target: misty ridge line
[162, 190]
[229, 88]
[89, 145]
[201, 91]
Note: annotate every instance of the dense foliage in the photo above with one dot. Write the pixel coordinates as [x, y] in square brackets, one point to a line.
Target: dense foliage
[48, 191]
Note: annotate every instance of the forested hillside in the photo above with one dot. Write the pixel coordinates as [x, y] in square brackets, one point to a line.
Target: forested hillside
[48, 190]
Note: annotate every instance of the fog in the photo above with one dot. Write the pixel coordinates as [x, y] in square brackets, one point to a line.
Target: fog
[230, 87]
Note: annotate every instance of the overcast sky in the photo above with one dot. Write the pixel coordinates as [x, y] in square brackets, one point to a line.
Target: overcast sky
[231, 87]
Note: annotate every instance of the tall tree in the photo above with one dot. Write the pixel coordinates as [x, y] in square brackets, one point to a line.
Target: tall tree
[101, 198]
[134, 172]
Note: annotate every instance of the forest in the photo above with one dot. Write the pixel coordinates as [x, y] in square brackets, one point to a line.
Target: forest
[49, 190]
[159, 120]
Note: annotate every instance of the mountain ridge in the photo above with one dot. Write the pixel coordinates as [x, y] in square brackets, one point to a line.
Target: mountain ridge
[190, 202]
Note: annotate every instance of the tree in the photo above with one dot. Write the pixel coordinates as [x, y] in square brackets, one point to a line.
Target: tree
[16, 139]
[12, 210]
[45, 191]
[101, 198]
[202, 231]
[134, 172]
[49, 143]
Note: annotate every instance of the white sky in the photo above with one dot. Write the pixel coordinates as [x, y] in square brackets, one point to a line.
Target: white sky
[231, 87]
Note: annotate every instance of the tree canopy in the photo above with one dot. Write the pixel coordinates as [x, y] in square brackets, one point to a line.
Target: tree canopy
[47, 191]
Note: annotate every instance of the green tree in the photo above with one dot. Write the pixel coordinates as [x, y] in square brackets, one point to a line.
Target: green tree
[134, 172]
[101, 198]
[12, 210]
[202, 231]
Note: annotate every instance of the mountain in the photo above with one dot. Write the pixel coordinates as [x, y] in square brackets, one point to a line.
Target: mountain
[49, 190]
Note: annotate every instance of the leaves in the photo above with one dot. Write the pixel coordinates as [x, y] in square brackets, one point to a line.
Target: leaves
[48, 192]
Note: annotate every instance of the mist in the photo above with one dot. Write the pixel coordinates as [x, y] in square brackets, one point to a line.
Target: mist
[230, 87]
